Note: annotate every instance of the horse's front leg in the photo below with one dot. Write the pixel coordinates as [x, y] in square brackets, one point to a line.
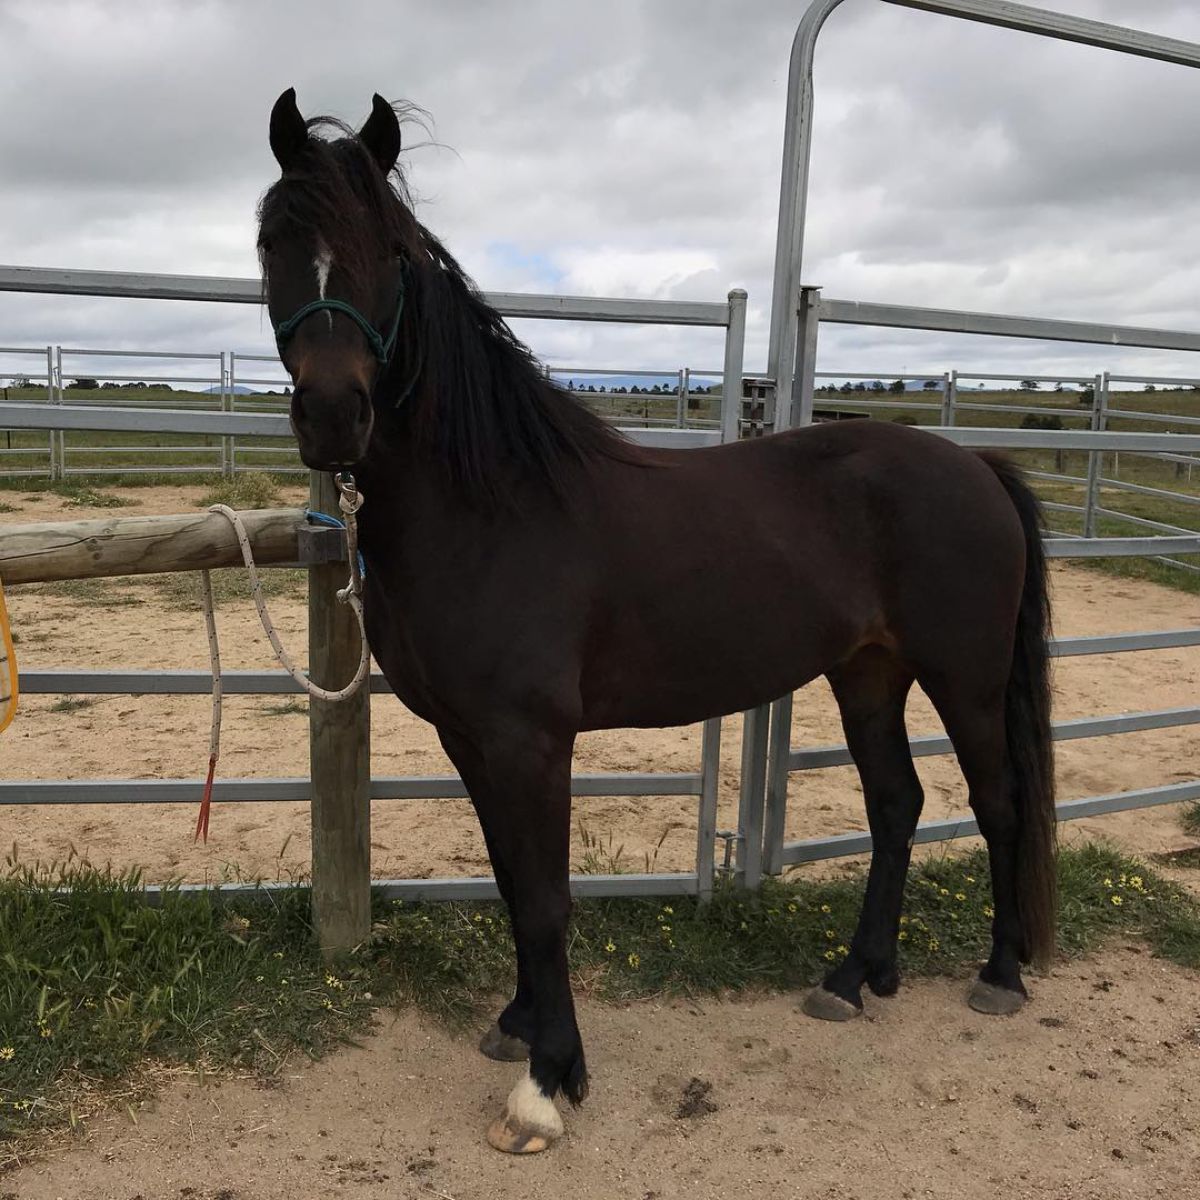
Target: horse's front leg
[526, 807]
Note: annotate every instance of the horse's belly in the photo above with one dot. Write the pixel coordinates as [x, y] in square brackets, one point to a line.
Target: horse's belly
[682, 683]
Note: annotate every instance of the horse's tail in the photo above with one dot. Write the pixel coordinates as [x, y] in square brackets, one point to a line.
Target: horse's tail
[1029, 737]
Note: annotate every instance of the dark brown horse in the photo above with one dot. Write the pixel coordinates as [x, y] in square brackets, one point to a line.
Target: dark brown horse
[524, 562]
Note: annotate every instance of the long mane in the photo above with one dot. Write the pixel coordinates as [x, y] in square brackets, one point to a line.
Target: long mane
[461, 384]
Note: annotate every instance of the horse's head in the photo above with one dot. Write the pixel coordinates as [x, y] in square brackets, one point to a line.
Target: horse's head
[333, 241]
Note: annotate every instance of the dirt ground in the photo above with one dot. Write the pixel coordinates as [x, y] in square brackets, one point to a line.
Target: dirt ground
[1091, 1093]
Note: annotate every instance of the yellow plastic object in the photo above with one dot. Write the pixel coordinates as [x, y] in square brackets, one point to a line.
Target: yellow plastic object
[8, 669]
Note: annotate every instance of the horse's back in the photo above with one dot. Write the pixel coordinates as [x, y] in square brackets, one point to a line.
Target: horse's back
[743, 571]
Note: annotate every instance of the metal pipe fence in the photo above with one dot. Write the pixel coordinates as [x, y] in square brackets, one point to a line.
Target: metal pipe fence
[235, 370]
[702, 783]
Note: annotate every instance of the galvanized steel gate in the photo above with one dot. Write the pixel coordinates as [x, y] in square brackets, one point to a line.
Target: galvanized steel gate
[797, 312]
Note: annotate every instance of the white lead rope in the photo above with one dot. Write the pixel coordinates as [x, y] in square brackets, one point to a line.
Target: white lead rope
[349, 502]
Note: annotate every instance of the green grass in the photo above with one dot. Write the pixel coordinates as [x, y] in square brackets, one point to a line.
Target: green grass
[179, 590]
[70, 704]
[96, 984]
[252, 490]
[1190, 818]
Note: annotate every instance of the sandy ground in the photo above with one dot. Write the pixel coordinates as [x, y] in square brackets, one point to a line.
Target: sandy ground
[1091, 1094]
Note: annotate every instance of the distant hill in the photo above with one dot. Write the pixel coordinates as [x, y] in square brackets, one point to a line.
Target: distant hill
[238, 389]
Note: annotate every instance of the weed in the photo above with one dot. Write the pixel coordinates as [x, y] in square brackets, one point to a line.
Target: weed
[252, 490]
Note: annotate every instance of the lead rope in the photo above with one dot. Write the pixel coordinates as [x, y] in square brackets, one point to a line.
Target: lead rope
[349, 502]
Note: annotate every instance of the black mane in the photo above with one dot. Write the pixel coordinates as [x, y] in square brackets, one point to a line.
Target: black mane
[470, 393]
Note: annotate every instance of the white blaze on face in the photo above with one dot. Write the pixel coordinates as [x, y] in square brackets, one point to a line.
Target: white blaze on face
[322, 264]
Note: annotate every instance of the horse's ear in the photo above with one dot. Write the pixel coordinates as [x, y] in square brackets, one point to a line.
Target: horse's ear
[289, 134]
[381, 133]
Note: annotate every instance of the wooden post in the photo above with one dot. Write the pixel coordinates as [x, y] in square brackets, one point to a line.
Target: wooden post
[339, 757]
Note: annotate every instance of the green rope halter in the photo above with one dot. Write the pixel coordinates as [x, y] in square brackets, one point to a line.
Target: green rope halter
[381, 348]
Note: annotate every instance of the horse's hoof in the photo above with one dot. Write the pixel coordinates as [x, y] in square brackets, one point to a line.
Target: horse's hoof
[503, 1135]
[503, 1047]
[826, 1006]
[529, 1123]
[995, 1001]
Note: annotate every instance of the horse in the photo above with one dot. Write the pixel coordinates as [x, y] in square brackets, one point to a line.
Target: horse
[524, 562]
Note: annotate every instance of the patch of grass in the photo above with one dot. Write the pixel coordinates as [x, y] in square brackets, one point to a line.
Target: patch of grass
[255, 489]
[8, 508]
[286, 709]
[81, 495]
[70, 704]
[95, 981]
[1189, 818]
[451, 958]
[181, 590]
[103, 593]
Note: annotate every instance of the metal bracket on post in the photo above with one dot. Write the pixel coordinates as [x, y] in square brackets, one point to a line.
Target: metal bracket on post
[758, 407]
[317, 545]
[731, 838]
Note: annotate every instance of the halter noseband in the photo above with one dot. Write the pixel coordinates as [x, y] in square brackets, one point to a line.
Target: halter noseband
[380, 347]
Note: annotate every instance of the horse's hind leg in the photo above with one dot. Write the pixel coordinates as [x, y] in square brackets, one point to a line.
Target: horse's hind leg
[510, 1034]
[975, 721]
[871, 690]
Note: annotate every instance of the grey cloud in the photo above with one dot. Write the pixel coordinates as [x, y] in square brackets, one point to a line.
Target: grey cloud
[954, 164]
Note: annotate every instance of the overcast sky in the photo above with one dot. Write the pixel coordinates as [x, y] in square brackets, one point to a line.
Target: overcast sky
[621, 149]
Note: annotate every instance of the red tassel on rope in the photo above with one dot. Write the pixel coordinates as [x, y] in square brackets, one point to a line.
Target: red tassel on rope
[206, 802]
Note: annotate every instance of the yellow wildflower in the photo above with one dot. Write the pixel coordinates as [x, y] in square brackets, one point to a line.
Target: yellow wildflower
[829, 954]
[960, 895]
[825, 908]
[7, 1053]
[1117, 900]
[634, 960]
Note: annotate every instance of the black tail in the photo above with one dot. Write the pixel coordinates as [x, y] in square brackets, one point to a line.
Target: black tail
[1027, 716]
